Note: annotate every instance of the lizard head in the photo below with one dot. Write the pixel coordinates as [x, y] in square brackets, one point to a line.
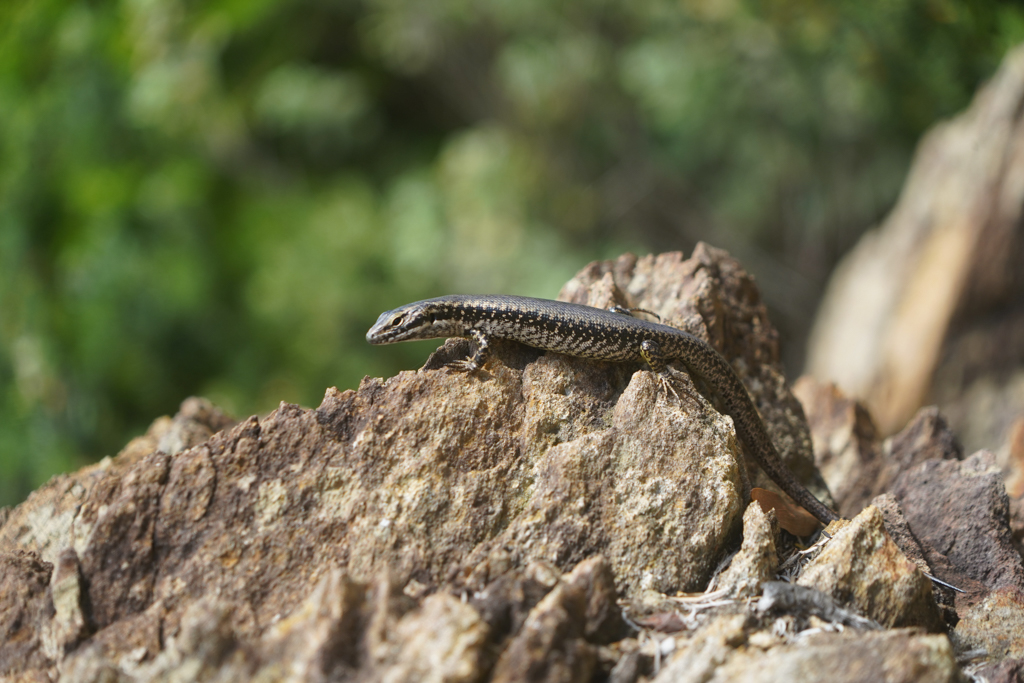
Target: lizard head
[421, 320]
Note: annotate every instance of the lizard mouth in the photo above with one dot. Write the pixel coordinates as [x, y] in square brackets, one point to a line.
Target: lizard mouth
[401, 324]
[384, 330]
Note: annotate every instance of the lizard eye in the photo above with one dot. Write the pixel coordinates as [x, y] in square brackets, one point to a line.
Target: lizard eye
[398, 321]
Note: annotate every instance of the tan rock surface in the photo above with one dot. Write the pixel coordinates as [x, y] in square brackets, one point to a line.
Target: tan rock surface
[427, 527]
[994, 625]
[902, 656]
[439, 526]
[861, 567]
[848, 449]
[757, 560]
[845, 441]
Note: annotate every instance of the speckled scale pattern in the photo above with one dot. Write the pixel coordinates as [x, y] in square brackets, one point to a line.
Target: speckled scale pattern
[588, 332]
[572, 329]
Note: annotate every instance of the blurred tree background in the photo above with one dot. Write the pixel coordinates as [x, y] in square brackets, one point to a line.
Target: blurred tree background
[219, 197]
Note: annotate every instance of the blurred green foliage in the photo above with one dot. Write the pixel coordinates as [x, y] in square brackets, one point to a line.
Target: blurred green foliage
[219, 197]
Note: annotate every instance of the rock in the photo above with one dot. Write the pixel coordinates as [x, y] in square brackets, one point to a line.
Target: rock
[898, 528]
[847, 448]
[557, 641]
[899, 656]
[24, 608]
[445, 527]
[119, 649]
[1014, 459]
[445, 640]
[551, 646]
[51, 520]
[1017, 523]
[930, 561]
[995, 625]
[861, 567]
[602, 618]
[625, 491]
[846, 443]
[757, 561]
[506, 510]
[706, 652]
[343, 631]
[119, 558]
[203, 646]
[801, 603]
[961, 510]
[319, 640]
[506, 602]
[68, 625]
[630, 667]
[197, 420]
[926, 437]
[1006, 671]
[733, 648]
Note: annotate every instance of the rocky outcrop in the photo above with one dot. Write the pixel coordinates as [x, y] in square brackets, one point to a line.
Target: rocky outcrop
[546, 518]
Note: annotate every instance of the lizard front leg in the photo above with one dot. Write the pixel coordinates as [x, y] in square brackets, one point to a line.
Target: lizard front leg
[479, 357]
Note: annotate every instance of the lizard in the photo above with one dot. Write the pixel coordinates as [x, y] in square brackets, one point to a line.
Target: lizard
[598, 334]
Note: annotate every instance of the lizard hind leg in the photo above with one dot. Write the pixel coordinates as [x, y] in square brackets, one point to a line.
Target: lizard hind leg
[651, 353]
